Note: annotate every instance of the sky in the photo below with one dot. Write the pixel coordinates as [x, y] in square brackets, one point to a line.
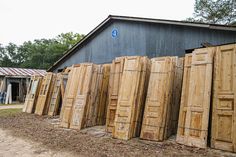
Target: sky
[24, 20]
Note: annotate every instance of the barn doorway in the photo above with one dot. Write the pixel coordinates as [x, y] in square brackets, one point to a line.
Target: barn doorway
[15, 91]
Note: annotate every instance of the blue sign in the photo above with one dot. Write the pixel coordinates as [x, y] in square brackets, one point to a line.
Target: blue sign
[114, 33]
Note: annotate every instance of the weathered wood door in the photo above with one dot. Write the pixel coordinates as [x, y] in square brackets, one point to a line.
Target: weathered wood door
[32, 94]
[124, 118]
[114, 86]
[224, 97]
[54, 103]
[70, 94]
[43, 99]
[196, 127]
[184, 99]
[158, 99]
[80, 106]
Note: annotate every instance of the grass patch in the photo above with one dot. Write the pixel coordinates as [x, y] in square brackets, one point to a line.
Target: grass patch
[11, 104]
[8, 112]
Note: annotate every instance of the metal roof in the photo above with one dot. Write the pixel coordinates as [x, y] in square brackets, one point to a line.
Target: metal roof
[5, 71]
[137, 19]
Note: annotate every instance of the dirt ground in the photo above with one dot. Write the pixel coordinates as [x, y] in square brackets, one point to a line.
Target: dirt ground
[43, 133]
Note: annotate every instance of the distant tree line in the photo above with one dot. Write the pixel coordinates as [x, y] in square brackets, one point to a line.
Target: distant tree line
[40, 53]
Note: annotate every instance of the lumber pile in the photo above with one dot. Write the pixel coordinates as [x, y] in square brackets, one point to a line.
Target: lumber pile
[32, 94]
[85, 101]
[131, 97]
[162, 98]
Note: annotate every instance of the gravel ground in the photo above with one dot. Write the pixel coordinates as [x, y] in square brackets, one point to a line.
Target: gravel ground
[91, 141]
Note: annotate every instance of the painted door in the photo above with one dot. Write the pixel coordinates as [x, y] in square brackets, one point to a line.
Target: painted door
[224, 96]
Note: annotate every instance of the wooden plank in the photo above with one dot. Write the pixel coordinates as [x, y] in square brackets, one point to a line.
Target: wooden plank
[197, 116]
[44, 94]
[55, 98]
[32, 94]
[70, 94]
[103, 95]
[158, 99]
[184, 99]
[176, 95]
[114, 87]
[81, 103]
[224, 95]
[127, 100]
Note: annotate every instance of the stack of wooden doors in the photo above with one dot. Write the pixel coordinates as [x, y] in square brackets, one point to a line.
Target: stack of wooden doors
[195, 115]
[85, 97]
[162, 102]
[131, 97]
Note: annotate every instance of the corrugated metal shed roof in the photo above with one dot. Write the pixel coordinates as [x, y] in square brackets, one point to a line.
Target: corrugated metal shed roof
[5, 71]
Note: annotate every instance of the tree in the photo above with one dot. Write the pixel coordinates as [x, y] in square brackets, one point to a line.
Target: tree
[40, 53]
[214, 11]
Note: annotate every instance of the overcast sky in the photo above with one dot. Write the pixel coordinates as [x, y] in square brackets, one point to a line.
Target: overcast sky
[23, 20]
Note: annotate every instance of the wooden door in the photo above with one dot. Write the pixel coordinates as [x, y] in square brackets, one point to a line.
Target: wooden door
[55, 98]
[184, 99]
[81, 101]
[70, 93]
[223, 133]
[41, 106]
[124, 118]
[196, 127]
[114, 86]
[158, 97]
[33, 94]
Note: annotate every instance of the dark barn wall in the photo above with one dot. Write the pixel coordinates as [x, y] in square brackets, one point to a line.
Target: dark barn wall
[138, 38]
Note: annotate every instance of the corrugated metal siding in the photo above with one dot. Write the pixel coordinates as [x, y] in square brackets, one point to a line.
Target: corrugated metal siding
[20, 72]
[138, 38]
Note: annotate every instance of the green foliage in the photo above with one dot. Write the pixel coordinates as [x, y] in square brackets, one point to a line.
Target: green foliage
[214, 11]
[40, 54]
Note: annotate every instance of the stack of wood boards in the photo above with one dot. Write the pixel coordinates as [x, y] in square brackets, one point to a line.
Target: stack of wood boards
[195, 102]
[130, 106]
[89, 104]
[223, 129]
[45, 93]
[32, 94]
[158, 117]
[117, 68]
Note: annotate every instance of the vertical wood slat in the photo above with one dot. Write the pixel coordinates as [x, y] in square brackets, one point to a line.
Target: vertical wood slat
[69, 96]
[224, 93]
[44, 94]
[176, 94]
[158, 98]
[184, 99]
[127, 108]
[114, 87]
[103, 94]
[32, 94]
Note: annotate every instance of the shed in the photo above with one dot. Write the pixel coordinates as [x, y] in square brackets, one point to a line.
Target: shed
[16, 80]
[125, 36]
